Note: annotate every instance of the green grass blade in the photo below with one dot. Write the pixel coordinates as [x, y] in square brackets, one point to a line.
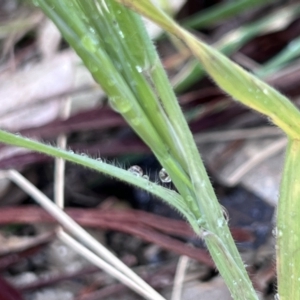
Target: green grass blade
[256, 94]
[189, 75]
[235, 39]
[288, 229]
[150, 93]
[88, 42]
[229, 265]
[219, 12]
[211, 215]
[170, 197]
[248, 89]
[131, 58]
[290, 52]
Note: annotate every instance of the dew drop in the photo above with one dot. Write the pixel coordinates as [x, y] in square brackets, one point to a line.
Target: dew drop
[266, 91]
[192, 204]
[99, 159]
[220, 222]
[139, 69]
[189, 199]
[83, 154]
[195, 207]
[120, 104]
[200, 222]
[111, 82]
[90, 43]
[71, 151]
[276, 297]
[164, 176]
[136, 121]
[93, 67]
[92, 30]
[146, 177]
[136, 170]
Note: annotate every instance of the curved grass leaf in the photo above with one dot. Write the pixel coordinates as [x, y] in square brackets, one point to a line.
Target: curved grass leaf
[170, 197]
[238, 83]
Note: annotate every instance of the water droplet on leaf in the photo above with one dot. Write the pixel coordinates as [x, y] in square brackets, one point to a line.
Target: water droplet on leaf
[92, 30]
[164, 176]
[200, 222]
[136, 170]
[189, 199]
[266, 91]
[191, 202]
[136, 121]
[139, 69]
[90, 43]
[120, 104]
[220, 222]
[111, 82]
[92, 67]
